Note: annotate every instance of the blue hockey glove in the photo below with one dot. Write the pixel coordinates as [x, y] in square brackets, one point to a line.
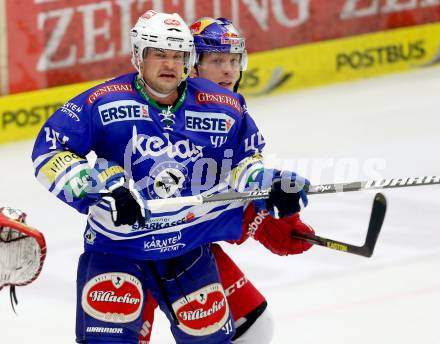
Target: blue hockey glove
[109, 182]
[287, 191]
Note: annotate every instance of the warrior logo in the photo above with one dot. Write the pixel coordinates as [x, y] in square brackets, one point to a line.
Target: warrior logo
[203, 312]
[113, 297]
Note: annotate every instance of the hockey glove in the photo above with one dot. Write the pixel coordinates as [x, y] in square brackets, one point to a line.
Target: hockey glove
[22, 251]
[287, 192]
[274, 233]
[110, 184]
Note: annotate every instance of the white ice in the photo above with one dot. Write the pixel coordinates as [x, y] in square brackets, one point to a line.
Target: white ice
[385, 127]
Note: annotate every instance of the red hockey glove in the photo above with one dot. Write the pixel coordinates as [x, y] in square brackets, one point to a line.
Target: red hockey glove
[274, 233]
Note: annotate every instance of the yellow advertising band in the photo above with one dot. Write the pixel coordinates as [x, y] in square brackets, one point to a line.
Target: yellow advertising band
[341, 60]
[23, 114]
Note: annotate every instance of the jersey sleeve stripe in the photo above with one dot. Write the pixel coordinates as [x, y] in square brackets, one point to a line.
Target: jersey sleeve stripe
[64, 179]
[43, 159]
[100, 221]
[242, 174]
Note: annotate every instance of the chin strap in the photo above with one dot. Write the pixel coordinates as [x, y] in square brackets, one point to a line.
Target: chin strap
[237, 83]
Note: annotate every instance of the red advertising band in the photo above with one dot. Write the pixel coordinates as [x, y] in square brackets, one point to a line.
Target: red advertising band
[70, 45]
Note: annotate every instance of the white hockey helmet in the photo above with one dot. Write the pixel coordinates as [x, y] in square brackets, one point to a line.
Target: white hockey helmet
[163, 31]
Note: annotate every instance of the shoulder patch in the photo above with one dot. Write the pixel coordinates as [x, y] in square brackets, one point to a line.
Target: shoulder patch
[218, 98]
[105, 89]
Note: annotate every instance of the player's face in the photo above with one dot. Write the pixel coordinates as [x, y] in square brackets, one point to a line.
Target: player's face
[163, 69]
[221, 68]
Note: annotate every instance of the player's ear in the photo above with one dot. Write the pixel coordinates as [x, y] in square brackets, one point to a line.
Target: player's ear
[194, 72]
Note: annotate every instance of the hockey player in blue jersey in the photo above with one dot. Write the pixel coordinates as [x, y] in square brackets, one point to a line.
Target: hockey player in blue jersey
[222, 58]
[156, 135]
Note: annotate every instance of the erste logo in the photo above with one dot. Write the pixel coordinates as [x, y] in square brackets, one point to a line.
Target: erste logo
[208, 122]
[123, 110]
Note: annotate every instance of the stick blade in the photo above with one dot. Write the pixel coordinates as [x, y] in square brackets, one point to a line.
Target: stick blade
[376, 221]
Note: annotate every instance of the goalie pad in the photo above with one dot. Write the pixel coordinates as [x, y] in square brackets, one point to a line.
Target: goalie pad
[22, 250]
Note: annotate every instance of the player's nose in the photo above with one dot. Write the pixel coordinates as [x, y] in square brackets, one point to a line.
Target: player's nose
[227, 68]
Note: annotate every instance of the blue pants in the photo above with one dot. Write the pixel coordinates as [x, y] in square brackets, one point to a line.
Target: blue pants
[111, 292]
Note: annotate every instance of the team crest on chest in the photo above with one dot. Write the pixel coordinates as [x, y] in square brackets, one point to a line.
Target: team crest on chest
[167, 179]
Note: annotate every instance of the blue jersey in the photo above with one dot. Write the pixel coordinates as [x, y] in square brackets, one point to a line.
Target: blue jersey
[203, 144]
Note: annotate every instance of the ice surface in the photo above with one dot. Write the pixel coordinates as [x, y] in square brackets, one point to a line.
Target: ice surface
[385, 127]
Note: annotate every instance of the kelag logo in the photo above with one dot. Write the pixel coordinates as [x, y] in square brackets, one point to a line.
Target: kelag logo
[208, 122]
[123, 110]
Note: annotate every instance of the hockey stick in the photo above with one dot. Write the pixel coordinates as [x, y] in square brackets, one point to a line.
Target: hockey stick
[158, 205]
[391, 183]
[366, 250]
[376, 218]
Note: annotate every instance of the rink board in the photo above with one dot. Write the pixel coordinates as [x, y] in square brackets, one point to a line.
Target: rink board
[71, 41]
[280, 70]
[343, 59]
[23, 114]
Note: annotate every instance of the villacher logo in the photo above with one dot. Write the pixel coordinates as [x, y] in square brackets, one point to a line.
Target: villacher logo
[202, 312]
[113, 297]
